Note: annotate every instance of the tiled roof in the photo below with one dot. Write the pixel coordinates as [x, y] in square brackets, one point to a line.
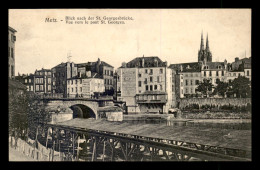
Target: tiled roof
[148, 62]
[187, 67]
[16, 84]
[11, 29]
[105, 64]
[93, 75]
[214, 65]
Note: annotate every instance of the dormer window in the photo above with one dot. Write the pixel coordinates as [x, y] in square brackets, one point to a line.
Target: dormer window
[206, 67]
[219, 67]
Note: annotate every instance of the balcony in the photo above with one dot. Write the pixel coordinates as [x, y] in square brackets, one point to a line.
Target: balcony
[151, 97]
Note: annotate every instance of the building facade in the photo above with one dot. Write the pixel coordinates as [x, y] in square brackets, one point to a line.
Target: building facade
[27, 80]
[86, 87]
[60, 74]
[43, 81]
[145, 84]
[11, 52]
[103, 70]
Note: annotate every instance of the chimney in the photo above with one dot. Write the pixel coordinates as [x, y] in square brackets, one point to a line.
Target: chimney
[181, 68]
[143, 61]
[236, 59]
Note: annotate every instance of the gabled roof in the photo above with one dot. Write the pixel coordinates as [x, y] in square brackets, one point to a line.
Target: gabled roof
[148, 62]
[105, 64]
[186, 67]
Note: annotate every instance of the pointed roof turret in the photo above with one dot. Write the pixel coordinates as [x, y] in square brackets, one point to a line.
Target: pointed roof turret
[207, 43]
[202, 42]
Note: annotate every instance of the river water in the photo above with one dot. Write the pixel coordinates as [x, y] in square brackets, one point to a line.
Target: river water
[231, 124]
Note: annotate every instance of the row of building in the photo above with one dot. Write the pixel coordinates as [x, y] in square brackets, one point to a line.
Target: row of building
[144, 84]
[72, 80]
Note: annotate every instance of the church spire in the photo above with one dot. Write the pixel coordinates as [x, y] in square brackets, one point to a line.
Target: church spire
[207, 43]
[202, 43]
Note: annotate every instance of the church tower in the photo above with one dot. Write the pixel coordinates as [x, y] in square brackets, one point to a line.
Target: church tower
[204, 55]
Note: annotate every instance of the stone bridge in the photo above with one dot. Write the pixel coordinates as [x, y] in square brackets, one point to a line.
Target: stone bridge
[80, 108]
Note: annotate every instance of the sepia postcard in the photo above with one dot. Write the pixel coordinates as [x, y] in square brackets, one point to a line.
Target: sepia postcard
[129, 85]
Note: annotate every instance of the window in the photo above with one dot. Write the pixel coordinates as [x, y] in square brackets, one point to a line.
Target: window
[181, 83]
[186, 90]
[155, 87]
[139, 75]
[12, 52]
[8, 52]
[159, 79]
[186, 82]
[25, 81]
[76, 89]
[151, 87]
[49, 80]
[41, 87]
[53, 83]
[37, 87]
[222, 73]
[12, 70]
[191, 74]
[197, 82]
[161, 71]
[191, 90]
[204, 73]
[191, 82]
[238, 74]
[49, 87]
[216, 73]
[181, 91]
[151, 71]
[151, 79]
[146, 87]
[80, 89]
[161, 87]
[72, 89]
[31, 88]
[71, 81]
[210, 74]
[234, 74]
[247, 72]
[145, 81]
[76, 81]
[146, 71]
[30, 80]
[139, 84]
[80, 81]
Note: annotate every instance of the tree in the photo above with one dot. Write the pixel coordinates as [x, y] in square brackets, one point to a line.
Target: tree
[221, 88]
[241, 86]
[205, 87]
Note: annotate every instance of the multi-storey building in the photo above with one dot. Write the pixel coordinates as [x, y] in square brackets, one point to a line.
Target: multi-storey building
[86, 86]
[11, 52]
[214, 71]
[60, 74]
[240, 67]
[189, 76]
[145, 84]
[27, 80]
[43, 81]
[104, 71]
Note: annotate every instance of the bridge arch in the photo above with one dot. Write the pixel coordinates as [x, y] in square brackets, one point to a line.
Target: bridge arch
[82, 111]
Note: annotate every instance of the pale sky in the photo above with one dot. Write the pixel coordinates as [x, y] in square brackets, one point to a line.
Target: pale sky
[171, 34]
